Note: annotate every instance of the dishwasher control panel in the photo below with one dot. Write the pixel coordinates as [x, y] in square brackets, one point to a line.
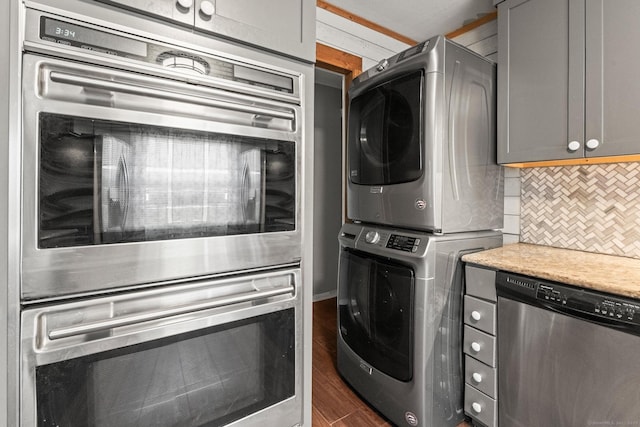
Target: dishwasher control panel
[590, 302]
[570, 299]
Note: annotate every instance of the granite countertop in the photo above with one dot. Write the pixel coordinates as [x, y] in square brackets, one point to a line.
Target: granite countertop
[607, 273]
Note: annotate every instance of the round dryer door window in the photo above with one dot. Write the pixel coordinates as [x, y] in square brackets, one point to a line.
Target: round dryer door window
[384, 138]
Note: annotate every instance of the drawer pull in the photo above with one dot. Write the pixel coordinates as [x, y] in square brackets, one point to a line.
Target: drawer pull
[477, 408]
[476, 315]
[475, 346]
[477, 377]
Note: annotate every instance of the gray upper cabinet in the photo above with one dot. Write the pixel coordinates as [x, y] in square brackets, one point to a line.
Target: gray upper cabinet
[566, 79]
[284, 26]
[612, 88]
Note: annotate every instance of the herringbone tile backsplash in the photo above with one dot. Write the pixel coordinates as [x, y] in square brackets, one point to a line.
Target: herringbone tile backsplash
[593, 208]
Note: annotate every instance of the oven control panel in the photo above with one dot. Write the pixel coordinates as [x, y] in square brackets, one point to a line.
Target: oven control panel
[91, 39]
[595, 304]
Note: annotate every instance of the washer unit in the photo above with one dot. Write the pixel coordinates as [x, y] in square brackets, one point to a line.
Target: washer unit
[399, 315]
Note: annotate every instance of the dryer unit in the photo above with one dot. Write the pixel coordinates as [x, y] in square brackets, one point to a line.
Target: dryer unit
[421, 141]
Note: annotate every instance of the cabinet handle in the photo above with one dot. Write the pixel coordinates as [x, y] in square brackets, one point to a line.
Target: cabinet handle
[476, 315]
[573, 146]
[477, 377]
[592, 144]
[475, 346]
[477, 408]
[185, 3]
[207, 8]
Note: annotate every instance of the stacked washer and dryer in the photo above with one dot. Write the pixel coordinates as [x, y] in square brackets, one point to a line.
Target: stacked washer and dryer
[423, 189]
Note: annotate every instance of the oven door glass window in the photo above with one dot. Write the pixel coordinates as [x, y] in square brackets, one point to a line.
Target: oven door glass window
[108, 182]
[206, 378]
[376, 312]
[385, 129]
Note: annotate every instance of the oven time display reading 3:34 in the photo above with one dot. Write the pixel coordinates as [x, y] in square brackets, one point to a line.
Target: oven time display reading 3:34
[75, 35]
[65, 32]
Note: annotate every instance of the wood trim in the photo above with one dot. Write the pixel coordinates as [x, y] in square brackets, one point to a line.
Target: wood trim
[577, 162]
[472, 25]
[364, 22]
[337, 60]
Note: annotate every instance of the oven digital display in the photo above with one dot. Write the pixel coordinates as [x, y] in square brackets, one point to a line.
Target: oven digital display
[88, 38]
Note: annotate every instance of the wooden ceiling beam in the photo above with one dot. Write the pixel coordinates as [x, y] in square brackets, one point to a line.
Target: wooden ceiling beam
[364, 22]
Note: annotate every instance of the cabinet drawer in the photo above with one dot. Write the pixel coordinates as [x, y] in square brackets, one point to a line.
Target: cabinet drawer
[479, 345]
[481, 376]
[480, 282]
[480, 406]
[480, 314]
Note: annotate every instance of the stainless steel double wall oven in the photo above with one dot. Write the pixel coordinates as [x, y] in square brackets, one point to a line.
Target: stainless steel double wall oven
[161, 225]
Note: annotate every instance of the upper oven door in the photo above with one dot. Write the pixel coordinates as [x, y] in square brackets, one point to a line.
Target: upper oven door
[131, 179]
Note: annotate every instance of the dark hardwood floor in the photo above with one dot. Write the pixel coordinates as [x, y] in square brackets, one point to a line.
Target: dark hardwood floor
[334, 403]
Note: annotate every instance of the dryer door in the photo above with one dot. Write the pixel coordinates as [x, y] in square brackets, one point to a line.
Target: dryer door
[384, 137]
[376, 300]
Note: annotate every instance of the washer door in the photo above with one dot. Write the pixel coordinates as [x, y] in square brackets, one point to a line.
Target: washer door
[376, 300]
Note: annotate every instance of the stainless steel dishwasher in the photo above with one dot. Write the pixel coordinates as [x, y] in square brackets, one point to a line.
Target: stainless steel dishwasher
[566, 356]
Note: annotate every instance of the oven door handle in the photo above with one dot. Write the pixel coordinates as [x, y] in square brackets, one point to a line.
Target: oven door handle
[134, 89]
[104, 325]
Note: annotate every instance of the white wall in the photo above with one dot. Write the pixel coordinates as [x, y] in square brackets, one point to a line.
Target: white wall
[348, 36]
[511, 230]
[327, 179]
[482, 39]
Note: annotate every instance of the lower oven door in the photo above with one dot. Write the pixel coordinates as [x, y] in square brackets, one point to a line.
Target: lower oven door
[208, 353]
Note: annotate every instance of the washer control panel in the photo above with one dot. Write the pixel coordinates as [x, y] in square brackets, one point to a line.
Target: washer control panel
[403, 243]
[387, 240]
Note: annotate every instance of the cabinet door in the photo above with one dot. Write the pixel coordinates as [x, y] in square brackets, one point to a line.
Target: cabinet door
[286, 26]
[171, 10]
[540, 83]
[612, 88]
